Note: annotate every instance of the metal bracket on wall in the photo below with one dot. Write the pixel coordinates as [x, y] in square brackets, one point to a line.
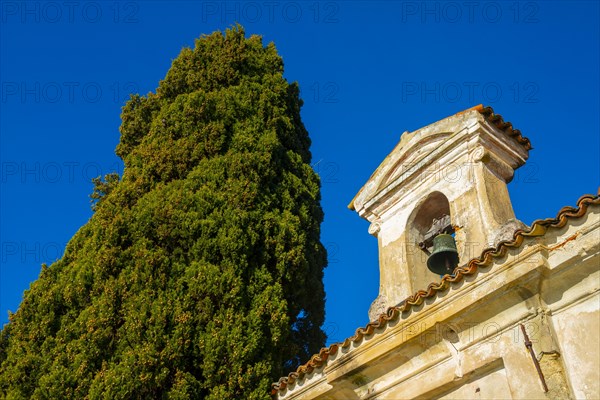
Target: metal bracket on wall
[438, 226]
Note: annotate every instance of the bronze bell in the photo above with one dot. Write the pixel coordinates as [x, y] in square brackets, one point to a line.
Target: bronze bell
[444, 257]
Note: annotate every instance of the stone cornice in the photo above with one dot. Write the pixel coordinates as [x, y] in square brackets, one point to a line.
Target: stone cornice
[433, 149]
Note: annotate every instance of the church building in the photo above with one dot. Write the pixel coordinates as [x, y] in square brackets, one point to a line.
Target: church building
[472, 302]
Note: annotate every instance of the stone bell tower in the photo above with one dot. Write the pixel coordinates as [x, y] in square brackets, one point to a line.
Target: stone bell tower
[448, 177]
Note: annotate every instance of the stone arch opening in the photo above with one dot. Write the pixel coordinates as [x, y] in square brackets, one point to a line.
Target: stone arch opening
[431, 215]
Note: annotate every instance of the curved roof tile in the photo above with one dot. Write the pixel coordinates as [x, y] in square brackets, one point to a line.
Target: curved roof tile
[506, 127]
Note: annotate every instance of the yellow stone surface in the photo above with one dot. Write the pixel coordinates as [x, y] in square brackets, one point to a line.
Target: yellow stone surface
[466, 342]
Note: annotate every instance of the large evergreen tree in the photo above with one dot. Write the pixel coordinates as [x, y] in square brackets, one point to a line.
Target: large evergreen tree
[200, 273]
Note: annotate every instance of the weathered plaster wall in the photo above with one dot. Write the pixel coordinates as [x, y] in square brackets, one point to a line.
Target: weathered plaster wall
[467, 342]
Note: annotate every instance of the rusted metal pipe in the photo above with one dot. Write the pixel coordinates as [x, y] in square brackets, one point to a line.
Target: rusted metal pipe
[529, 345]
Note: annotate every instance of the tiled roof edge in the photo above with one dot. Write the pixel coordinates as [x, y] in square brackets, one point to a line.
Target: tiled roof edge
[538, 228]
[506, 127]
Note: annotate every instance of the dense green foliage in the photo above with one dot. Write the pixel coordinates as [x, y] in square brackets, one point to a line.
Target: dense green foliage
[200, 273]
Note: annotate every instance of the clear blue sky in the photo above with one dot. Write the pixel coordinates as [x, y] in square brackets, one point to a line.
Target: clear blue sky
[367, 70]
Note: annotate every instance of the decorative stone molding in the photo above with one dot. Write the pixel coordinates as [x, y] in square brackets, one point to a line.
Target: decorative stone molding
[374, 228]
[478, 154]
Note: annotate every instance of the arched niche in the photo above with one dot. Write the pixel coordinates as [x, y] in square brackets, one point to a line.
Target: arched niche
[434, 206]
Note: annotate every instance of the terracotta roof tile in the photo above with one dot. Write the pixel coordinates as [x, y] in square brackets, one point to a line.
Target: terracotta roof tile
[506, 127]
[538, 228]
[497, 120]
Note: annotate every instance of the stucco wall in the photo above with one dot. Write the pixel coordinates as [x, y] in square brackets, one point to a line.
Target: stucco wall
[467, 342]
